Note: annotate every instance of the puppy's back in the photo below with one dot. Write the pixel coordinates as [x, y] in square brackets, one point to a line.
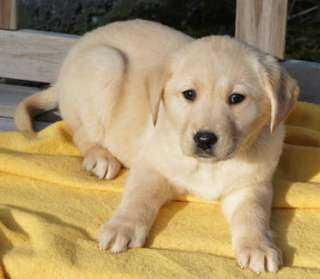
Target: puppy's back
[140, 40]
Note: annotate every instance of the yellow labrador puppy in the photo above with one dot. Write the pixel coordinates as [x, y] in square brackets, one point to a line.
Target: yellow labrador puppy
[187, 116]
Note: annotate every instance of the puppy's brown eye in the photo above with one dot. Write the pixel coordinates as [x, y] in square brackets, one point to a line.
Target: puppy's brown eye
[236, 98]
[190, 94]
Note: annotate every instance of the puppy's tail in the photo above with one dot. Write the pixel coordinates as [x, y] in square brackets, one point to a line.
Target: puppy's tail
[42, 101]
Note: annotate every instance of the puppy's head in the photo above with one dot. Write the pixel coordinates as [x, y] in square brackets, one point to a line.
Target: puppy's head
[219, 93]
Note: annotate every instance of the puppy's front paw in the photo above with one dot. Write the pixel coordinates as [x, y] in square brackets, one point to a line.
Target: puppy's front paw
[120, 235]
[101, 163]
[260, 256]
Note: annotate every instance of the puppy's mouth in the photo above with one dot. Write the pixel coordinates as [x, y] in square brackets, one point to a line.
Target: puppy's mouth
[204, 154]
[210, 156]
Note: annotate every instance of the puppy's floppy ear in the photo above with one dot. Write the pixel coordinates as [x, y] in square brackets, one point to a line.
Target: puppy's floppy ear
[282, 90]
[156, 81]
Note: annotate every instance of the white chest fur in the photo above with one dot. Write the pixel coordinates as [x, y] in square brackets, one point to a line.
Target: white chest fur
[200, 180]
[208, 180]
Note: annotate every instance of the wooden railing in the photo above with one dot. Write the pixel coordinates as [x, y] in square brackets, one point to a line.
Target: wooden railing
[36, 55]
[262, 23]
[8, 14]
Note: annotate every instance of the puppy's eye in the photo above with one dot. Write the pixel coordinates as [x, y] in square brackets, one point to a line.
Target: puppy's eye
[190, 94]
[236, 98]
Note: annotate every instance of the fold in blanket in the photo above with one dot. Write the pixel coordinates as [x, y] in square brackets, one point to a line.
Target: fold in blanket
[51, 210]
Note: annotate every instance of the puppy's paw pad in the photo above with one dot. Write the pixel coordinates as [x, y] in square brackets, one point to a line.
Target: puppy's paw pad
[102, 164]
[259, 257]
[119, 237]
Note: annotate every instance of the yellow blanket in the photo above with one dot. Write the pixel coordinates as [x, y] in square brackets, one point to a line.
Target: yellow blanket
[50, 212]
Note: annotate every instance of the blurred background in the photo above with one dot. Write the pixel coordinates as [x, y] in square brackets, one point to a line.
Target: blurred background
[195, 17]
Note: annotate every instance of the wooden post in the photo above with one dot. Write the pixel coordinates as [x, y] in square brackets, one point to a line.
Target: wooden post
[262, 23]
[8, 14]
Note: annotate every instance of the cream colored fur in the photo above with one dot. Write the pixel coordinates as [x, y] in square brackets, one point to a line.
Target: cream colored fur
[120, 93]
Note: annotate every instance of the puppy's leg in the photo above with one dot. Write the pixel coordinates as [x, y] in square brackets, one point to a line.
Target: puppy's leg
[97, 159]
[146, 191]
[248, 212]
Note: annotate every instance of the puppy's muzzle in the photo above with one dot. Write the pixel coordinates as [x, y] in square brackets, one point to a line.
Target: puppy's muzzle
[204, 141]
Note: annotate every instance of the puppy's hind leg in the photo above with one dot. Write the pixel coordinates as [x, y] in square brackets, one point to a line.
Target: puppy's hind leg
[97, 159]
[90, 83]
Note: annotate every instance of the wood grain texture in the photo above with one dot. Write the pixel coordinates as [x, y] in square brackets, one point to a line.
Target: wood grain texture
[7, 124]
[33, 55]
[11, 95]
[263, 24]
[8, 14]
[308, 76]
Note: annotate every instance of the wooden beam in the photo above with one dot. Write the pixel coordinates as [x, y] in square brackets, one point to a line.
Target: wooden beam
[262, 23]
[12, 95]
[33, 55]
[7, 124]
[8, 14]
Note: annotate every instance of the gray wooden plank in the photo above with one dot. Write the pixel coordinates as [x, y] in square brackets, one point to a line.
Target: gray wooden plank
[33, 55]
[7, 124]
[11, 95]
[308, 76]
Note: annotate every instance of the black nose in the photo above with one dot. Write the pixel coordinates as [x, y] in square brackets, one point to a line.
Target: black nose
[205, 139]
